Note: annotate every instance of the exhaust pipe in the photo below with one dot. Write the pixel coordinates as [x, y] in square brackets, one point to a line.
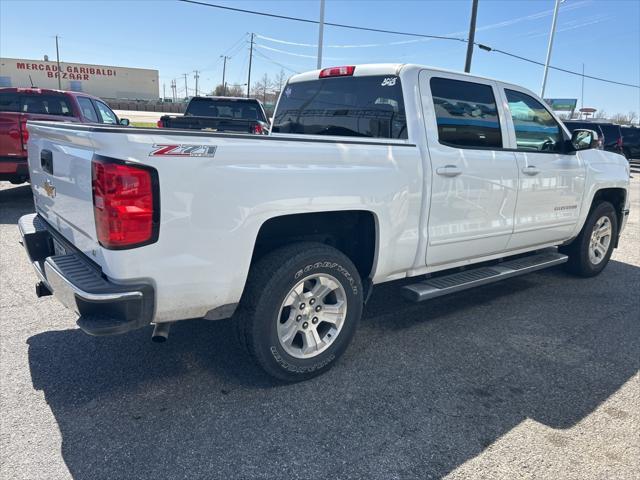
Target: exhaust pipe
[160, 332]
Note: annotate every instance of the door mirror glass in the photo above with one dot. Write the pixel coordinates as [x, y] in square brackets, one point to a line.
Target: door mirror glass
[583, 139]
[125, 122]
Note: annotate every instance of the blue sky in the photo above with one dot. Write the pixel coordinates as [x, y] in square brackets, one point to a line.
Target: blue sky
[175, 38]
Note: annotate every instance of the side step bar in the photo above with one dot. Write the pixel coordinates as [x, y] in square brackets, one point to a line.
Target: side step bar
[455, 282]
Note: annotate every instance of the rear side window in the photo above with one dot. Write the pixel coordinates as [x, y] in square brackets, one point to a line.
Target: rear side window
[9, 102]
[536, 129]
[611, 132]
[87, 109]
[46, 105]
[466, 114]
[371, 106]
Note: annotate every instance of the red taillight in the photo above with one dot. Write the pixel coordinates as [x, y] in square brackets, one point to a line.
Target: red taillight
[125, 204]
[257, 129]
[337, 71]
[160, 124]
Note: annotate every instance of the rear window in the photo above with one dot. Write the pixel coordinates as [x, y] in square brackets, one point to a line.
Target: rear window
[39, 104]
[370, 106]
[234, 109]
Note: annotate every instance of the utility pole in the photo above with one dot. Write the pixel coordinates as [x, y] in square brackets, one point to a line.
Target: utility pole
[164, 91]
[186, 89]
[196, 76]
[582, 93]
[320, 34]
[224, 71]
[58, 62]
[250, 58]
[551, 35]
[472, 35]
[174, 89]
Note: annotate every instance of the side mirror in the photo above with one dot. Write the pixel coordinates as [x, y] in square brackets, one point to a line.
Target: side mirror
[124, 122]
[584, 139]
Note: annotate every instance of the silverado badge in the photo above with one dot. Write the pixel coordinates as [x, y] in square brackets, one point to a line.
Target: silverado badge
[49, 188]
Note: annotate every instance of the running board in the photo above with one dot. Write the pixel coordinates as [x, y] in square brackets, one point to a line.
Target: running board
[455, 282]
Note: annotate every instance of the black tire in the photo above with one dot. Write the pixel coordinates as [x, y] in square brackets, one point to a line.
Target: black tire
[578, 251]
[270, 280]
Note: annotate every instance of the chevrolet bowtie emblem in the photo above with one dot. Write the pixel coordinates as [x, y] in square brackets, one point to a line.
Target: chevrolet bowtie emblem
[49, 188]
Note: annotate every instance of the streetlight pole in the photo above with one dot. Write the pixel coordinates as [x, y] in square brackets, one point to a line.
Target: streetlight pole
[472, 35]
[551, 35]
[321, 33]
[58, 62]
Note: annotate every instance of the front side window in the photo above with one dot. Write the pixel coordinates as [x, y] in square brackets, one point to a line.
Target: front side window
[106, 114]
[466, 114]
[367, 106]
[536, 130]
[88, 111]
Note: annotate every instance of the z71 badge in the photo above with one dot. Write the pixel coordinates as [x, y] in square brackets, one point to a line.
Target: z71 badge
[183, 151]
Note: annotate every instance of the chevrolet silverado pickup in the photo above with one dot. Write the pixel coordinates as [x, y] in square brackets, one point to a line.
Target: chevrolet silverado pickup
[19, 105]
[371, 173]
[220, 114]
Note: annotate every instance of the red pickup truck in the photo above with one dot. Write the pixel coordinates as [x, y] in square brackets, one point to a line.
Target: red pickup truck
[17, 105]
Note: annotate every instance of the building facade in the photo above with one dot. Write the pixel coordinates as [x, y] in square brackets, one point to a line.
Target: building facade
[103, 81]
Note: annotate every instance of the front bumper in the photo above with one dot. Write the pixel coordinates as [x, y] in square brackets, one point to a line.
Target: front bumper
[103, 306]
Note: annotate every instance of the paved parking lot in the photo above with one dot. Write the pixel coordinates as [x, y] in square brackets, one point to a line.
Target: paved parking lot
[533, 378]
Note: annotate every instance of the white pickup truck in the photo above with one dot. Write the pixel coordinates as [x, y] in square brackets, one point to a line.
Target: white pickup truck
[371, 173]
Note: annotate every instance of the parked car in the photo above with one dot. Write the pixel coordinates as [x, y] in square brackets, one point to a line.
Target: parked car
[220, 114]
[19, 105]
[612, 139]
[372, 173]
[631, 139]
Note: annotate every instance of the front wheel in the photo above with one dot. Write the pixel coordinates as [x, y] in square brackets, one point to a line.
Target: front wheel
[590, 252]
[300, 310]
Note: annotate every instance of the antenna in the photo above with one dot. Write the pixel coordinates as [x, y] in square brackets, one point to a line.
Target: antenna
[32, 85]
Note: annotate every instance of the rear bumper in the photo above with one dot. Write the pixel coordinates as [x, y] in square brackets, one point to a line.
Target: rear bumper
[103, 306]
[13, 168]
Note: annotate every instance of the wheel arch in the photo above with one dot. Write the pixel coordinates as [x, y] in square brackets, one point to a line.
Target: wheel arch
[354, 232]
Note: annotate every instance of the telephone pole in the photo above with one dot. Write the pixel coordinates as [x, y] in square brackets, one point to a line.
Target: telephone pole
[164, 91]
[186, 89]
[320, 34]
[224, 71]
[58, 62]
[472, 35]
[250, 58]
[196, 76]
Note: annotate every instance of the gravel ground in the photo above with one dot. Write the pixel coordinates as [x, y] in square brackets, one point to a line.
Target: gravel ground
[531, 378]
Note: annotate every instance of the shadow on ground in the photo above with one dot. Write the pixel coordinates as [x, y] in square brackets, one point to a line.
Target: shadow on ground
[422, 389]
[15, 202]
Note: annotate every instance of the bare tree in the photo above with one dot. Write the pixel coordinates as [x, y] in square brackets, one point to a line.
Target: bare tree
[261, 89]
[230, 91]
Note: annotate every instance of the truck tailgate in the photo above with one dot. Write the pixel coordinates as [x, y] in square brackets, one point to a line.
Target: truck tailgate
[60, 170]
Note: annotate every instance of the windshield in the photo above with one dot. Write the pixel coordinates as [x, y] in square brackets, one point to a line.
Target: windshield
[234, 109]
[370, 106]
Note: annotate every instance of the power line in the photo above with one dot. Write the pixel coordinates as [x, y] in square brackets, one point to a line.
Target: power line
[316, 22]
[395, 32]
[269, 59]
[497, 50]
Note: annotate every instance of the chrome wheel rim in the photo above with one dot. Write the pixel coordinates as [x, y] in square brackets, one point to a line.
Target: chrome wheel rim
[312, 316]
[600, 240]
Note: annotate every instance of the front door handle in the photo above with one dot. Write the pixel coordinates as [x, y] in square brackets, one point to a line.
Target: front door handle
[531, 170]
[449, 171]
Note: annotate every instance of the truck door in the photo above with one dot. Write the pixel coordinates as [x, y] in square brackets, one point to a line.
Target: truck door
[474, 181]
[551, 181]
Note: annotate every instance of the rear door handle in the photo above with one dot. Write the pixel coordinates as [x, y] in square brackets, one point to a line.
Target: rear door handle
[449, 171]
[531, 170]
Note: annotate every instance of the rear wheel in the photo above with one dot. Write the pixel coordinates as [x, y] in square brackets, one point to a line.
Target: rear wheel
[300, 309]
[590, 252]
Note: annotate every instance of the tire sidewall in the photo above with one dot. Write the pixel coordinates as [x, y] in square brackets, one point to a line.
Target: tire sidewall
[603, 209]
[268, 310]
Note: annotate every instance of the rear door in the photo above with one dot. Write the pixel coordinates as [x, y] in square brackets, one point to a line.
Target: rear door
[474, 180]
[551, 181]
